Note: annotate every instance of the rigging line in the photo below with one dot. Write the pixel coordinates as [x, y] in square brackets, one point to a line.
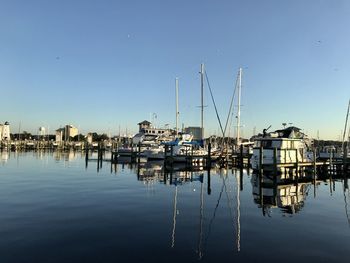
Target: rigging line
[347, 140]
[346, 205]
[229, 129]
[231, 104]
[214, 214]
[212, 98]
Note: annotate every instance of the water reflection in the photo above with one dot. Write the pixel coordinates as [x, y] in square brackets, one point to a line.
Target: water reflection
[289, 198]
[198, 213]
[289, 192]
[4, 157]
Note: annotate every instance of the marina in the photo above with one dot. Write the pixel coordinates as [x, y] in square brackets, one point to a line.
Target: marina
[163, 131]
[185, 215]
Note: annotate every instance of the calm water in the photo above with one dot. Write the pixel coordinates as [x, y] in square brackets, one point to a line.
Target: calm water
[54, 209]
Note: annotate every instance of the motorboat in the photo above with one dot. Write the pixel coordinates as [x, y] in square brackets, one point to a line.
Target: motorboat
[291, 144]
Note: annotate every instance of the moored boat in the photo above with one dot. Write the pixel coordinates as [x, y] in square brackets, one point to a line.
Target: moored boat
[291, 144]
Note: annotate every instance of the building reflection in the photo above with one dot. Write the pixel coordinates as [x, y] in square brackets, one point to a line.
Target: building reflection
[4, 157]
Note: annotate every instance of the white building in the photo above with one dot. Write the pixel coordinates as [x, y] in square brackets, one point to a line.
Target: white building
[5, 132]
[64, 134]
[42, 131]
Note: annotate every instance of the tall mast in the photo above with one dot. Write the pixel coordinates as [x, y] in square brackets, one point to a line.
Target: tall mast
[239, 105]
[202, 100]
[177, 103]
[346, 124]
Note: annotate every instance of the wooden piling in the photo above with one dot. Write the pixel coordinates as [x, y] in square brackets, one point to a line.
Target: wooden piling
[209, 156]
[241, 155]
[138, 152]
[275, 161]
[209, 188]
[261, 159]
[297, 163]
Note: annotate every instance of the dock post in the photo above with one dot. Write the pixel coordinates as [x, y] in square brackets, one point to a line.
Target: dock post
[345, 156]
[297, 163]
[99, 155]
[209, 188]
[172, 158]
[331, 162]
[261, 159]
[209, 158]
[191, 159]
[241, 156]
[275, 162]
[314, 159]
[165, 152]
[86, 155]
[132, 152]
[138, 152]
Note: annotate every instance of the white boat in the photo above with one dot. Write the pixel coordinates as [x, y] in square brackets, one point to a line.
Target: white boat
[149, 135]
[330, 152]
[154, 153]
[183, 147]
[291, 145]
[124, 152]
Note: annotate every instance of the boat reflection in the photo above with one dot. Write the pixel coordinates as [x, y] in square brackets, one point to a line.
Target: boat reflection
[289, 192]
[288, 197]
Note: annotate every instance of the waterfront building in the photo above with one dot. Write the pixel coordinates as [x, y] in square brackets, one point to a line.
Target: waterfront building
[144, 125]
[64, 134]
[59, 135]
[42, 131]
[71, 131]
[89, 137]
[5, 131]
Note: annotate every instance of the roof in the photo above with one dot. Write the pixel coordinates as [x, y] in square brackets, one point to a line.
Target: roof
[290, 132]
[144, 122]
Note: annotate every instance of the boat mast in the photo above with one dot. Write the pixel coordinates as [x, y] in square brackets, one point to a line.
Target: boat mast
[177, 103]
[202, 100]
[346, 124]
[239, 105]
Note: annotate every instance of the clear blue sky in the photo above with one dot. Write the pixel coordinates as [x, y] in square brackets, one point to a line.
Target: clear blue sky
[104, 64]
